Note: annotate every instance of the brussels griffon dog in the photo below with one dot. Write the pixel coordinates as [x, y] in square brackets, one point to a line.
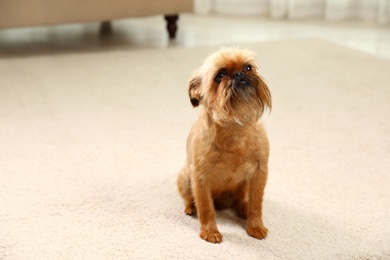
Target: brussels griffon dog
[227, 149]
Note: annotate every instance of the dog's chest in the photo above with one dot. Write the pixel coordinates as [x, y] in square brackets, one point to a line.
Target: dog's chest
[233, 161]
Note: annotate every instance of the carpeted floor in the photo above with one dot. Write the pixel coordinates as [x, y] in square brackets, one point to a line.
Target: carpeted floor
[91, 144]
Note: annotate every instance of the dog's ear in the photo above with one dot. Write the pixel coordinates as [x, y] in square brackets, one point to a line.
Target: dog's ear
[194, 89]
[264, 95]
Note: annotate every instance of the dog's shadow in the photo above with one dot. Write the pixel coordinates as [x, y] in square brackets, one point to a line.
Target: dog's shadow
[231, 217]
[295, 232]
[226, 216]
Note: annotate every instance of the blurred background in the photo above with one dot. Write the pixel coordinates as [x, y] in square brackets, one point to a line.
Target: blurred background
[29, 27]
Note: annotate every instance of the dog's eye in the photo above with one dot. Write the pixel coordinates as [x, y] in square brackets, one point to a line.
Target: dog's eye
[219, 77]
[248, 68]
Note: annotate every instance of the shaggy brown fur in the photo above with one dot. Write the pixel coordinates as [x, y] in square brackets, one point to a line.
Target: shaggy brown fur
[227, 150]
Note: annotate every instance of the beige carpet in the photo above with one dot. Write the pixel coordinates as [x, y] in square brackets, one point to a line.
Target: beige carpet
[91, 143]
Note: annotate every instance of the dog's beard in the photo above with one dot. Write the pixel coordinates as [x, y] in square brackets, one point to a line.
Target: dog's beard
[236, 103]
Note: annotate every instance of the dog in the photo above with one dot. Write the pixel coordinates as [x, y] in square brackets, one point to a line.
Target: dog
[227, 149]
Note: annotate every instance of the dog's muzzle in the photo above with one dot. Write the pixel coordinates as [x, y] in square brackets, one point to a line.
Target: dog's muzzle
[240, 80]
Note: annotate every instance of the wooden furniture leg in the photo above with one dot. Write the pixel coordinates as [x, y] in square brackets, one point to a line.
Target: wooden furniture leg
[172, 25]
[105, 28]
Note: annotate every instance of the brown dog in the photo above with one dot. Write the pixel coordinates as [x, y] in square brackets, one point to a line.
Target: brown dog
[227, 150]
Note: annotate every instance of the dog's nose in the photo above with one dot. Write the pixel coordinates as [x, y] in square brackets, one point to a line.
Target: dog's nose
[238, 75]
[240, 79]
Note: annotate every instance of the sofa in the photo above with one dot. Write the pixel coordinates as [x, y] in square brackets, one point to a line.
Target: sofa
[20, 13]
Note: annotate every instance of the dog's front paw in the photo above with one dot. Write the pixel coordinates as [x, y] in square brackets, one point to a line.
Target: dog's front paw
[212, 236]
[257, 232]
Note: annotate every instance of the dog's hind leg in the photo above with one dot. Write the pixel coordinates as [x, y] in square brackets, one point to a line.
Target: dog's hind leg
[241, 200]
[184, 186]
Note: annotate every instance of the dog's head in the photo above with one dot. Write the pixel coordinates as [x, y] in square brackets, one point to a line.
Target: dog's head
[229, 86]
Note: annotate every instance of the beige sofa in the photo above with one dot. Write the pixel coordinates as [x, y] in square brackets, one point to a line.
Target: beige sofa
[18, 13]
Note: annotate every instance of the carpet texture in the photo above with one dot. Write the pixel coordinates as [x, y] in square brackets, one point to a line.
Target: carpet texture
[91, 144]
